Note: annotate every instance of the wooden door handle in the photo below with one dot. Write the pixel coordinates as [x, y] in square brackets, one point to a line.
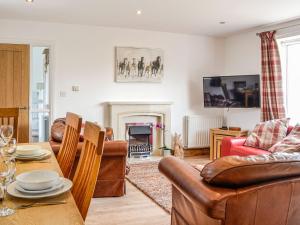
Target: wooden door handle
[23, 108]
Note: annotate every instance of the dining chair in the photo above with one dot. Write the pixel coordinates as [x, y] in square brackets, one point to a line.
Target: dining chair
[68, 149]
[10, 116]
[86, 174]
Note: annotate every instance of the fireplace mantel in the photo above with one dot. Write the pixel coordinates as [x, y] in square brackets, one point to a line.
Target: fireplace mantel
[121, 112]
[139, 103]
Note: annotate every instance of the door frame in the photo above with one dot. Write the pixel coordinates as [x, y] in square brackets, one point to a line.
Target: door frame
[51, 46]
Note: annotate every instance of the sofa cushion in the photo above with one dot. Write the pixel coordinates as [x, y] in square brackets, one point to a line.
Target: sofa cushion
[236, 171]
[290, 143]
[245, 151]
[267, 133]
[290, 128]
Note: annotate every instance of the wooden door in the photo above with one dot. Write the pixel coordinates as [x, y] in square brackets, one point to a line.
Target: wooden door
[14, 83]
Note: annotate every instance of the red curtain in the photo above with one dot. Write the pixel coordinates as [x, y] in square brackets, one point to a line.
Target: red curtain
[272, 95]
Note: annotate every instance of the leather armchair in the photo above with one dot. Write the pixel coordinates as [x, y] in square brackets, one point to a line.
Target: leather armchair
[275, 201]
[111, 178]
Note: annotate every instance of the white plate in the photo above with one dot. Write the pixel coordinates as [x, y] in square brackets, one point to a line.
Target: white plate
[27, 149]
[43, 153]
[37, 179]
[36, 153]
[58, 185]
[11, 190]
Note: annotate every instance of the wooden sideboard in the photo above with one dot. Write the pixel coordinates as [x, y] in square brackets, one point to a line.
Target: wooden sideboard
[216, 136]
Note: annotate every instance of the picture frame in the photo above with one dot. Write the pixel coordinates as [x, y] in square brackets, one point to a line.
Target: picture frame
[139, 64]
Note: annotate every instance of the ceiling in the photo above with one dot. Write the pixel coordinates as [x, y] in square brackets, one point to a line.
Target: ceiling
[179, 16]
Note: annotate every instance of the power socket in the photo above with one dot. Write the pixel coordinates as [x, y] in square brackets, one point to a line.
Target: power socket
[75, 88]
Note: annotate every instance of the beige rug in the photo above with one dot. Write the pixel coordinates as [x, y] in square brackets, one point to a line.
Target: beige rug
[147, 178]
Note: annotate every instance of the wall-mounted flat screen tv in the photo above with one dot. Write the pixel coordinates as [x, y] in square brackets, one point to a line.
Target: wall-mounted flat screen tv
[242, 91]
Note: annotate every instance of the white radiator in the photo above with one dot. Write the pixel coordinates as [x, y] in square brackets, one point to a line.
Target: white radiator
[197, 130]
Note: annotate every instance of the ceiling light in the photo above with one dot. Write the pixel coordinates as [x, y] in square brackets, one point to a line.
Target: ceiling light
[138, 12]
[222, 22]
[29, 1]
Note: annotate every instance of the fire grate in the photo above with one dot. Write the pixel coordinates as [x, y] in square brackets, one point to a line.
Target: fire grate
[139, 141]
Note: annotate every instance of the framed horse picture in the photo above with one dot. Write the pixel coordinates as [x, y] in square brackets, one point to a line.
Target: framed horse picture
[139, 64]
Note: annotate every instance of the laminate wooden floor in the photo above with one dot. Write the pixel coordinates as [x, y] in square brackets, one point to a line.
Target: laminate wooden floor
[135, 208]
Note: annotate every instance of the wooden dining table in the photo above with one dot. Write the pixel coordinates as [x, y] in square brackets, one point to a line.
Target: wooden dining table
[61, 214]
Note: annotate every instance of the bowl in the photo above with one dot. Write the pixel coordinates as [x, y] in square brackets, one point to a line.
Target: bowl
[37, 179]
[28, 150]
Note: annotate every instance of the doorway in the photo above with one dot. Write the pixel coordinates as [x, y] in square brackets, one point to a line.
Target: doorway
[39, 94]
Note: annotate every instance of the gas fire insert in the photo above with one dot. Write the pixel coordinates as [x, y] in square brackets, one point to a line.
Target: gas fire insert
[139, 141]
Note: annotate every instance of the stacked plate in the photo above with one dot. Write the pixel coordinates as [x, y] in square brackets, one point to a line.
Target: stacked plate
[31, 152]
[38, 184]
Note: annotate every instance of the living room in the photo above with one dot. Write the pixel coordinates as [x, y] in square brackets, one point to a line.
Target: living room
[159, 79]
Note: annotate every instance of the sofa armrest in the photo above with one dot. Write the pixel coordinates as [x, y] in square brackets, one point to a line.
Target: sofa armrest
[111, 148]
[115, 148]
[109, 134]
[210, 200]
[55, 146]
[229, 142]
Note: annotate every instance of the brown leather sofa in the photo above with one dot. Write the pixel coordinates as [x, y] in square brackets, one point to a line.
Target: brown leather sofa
[233, 190]
[111, 178]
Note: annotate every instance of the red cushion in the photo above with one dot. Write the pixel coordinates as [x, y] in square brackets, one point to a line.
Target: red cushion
[234, 146]
[290, 128]
[245, 151]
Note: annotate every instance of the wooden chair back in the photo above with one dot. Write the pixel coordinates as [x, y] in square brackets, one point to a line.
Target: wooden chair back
[10, 116]
[86, 174]
[67, 152]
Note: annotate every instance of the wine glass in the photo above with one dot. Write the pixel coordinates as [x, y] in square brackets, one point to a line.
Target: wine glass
[10, 147]
[7, 170]
[11, 161]
[6, 133]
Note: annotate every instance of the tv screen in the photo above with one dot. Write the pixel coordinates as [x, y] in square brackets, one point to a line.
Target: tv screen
[241, 91]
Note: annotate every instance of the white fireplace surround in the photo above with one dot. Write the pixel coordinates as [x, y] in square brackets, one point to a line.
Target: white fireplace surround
[141, 112]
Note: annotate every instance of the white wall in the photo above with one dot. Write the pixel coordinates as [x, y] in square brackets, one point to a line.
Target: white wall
[242, 57]
[84, 56]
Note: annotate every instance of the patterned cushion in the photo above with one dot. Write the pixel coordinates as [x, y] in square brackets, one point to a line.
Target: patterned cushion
[268, 133]
[290, 143]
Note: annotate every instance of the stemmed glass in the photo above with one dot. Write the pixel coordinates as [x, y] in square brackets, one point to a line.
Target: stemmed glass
[7, 171]
[11, 161]
[10, 148]
[6, 133]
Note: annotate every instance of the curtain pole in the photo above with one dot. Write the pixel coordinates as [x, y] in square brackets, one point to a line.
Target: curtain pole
[281, 28]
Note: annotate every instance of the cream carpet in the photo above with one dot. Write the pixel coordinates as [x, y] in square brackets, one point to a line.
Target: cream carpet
[146, 177]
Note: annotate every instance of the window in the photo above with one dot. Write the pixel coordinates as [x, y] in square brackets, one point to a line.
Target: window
[290, 59]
